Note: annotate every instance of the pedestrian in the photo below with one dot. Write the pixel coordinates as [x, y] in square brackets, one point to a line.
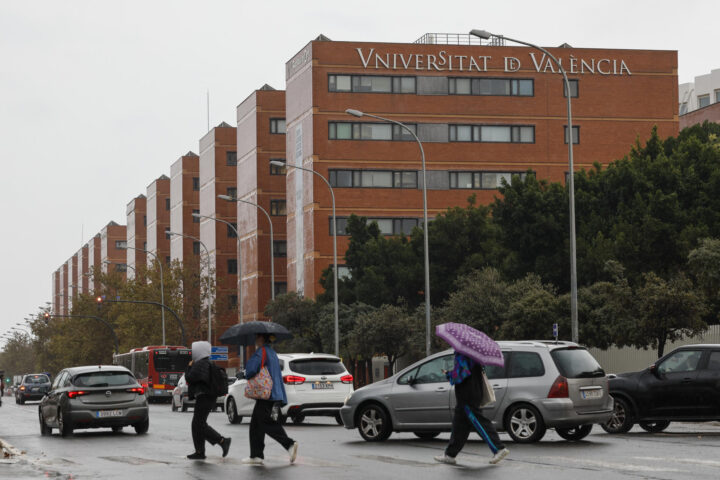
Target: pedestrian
[467, 377]
[198, 377]
[264, 421]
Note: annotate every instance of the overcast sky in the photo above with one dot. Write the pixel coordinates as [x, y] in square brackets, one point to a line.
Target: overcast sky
[98, 98]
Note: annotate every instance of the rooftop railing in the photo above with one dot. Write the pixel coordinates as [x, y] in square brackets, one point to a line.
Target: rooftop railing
[459, 39]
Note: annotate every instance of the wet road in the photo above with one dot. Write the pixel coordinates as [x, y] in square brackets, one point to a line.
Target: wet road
[330, 452]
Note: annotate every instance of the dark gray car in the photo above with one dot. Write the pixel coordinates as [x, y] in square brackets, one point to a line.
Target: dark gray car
[106, 396]
[34, 386]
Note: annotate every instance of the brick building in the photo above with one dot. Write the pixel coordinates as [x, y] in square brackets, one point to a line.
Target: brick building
[94, 261]
[184, 201]
[136, 211]
[113, 239]
[158, 219]
[83, 270]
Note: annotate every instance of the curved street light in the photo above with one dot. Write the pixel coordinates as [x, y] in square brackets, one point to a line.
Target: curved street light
[571, 177]
[162, 283]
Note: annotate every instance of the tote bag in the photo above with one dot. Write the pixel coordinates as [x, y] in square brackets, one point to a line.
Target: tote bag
[488, 393]
[260, 386]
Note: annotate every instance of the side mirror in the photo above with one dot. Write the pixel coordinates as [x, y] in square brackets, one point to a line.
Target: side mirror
[412, 381]
[653, 369]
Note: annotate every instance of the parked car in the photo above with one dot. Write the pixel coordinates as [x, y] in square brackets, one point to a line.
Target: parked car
[181, 401]
[542, 385]
[33, 386]
[684, 385]
[316, 385]
[94, 397]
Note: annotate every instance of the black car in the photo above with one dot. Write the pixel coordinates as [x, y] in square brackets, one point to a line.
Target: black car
[34, 386]
[684, 385]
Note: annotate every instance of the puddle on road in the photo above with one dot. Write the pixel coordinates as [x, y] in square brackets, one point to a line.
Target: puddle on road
[134, 460]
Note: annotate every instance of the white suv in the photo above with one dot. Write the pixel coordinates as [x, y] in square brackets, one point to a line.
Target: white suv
[316, 385]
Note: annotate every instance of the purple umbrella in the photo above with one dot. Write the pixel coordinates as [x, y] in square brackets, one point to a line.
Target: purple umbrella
[471, 343]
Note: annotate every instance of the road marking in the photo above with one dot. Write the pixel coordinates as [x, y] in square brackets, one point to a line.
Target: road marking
[692, 461]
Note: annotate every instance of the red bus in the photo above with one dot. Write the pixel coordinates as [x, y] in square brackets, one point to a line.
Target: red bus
[157, 368]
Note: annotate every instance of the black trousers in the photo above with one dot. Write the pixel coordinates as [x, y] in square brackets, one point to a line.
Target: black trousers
[201, 431]
[463, 424]
[261, 424]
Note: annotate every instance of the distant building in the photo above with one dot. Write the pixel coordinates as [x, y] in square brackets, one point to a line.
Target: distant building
[136, 234]
[703, 92]
[113, 239]
[184, 201]
[158, 220]
[83, 270]
[94, 262]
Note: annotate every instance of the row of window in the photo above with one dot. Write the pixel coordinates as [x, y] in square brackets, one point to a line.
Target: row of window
[388, 226]
[492, 133]
[488, 86]
[481, 180]
[279, 251]
[374, 179]
[369, 131]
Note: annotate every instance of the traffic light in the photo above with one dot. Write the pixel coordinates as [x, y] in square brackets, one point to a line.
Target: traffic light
[99, 300]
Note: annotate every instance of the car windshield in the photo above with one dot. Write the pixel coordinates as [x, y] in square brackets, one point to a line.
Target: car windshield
[576, 363]
[35, 379]
[103, 379]
[318, 366]
[171, 360]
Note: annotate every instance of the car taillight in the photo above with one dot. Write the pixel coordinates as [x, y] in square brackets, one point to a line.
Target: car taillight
[76, 393]
[346, 379]
[22, 388]
[559, 388]
[293, 380]
[138, 390]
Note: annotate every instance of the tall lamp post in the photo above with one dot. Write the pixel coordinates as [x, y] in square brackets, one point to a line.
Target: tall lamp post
[162, 284]
[272, 242]
[335, 265]
[207, 252]
[571, 177]
[358, 113]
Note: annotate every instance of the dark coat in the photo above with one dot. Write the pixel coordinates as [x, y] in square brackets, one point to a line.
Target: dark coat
[197, 376]
[470, 391]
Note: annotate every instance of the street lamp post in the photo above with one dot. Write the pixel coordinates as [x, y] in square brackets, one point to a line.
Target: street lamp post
[358, 113]
[207, 252]
[272, 243]
[335, 265]
[162, 284]
[571, 178]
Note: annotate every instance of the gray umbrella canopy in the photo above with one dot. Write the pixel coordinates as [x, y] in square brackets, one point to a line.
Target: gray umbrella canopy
[244, 333]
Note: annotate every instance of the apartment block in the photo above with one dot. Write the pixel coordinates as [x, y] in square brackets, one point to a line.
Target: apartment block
[113, 239]
[136, 211]
[64, 297]
[95, 264]
[158, 220]
[73, 288]
[83, 270]
[184, 201]
[56, 292]
[261, 140]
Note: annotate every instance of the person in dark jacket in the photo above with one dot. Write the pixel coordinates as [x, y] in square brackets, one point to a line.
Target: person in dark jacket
[466, 376]
[262, 422]
[197, 376]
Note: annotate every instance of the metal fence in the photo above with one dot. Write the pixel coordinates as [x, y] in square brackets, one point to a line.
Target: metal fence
[459, 39]
[627, 359]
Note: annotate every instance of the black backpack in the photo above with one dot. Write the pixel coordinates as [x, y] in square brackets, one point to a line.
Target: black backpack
[218, 380]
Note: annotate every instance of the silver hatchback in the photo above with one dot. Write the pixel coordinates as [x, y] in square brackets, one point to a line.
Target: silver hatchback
[542, 385]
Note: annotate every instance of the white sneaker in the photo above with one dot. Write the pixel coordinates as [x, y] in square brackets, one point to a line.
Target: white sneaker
[253, 461]
[445, 459]
[292, 451]
[497, 458]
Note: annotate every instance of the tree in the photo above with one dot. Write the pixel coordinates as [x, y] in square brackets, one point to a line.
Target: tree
[704, 265]
[300, 316]
[383, 331]
[532, 309]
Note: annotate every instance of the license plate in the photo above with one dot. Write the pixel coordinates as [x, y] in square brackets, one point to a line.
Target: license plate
[35, 389]
[109, 413]
[590, 394]
[322, 386]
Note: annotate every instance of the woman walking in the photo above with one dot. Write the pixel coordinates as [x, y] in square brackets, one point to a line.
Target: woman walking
[197, 376]
[263, 422]
[467, 377]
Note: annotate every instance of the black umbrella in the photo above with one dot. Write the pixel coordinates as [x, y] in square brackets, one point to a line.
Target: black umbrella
[244, 333]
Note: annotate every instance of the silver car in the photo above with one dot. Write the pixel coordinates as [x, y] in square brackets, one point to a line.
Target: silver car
[542, 385]
[94, 397]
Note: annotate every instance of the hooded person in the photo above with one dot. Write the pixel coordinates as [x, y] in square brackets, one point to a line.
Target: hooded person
[198, 378]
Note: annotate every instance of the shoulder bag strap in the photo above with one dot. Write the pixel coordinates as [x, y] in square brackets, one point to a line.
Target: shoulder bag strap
[262, 363]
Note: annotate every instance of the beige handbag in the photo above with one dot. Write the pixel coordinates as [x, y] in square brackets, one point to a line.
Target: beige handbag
[488, 393]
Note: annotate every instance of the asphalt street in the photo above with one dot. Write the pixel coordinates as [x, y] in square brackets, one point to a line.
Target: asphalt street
[331, 452]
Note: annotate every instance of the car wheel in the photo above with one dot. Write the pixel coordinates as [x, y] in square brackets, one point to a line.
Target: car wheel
[621, 420]
[21, 401]
[64, 426]
[525, 424]
[298, 419]
[339, 420]
[574, 434]
[374, 424]
[654, 427]
[142, 427]
[426, 435]
[44, 429]
[184, 407]
[231, 412]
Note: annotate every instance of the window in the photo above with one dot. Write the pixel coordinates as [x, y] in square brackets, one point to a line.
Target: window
[196, 219]
[387, 226]
[277, 169]
[121, 244]
[318, 366]
[368, 131]
[196, 248]
[703, 100]
[231, 159]
[434, 370]
[167, 203]
[231, 229]
[576, 363]
[494, 180]
[574, 88]
[370, 84]
[279, 248]
[683, 108]
[492, 133]
[525, 364]
[232, 301]
[491, 86]
[280, 288]
[373, 179]
[376, 179]
[167, 233]
[278, 207]
[717, 96]
[167, 260]
[144, 245]
[121, 267]
[103, 379]
[576, 134]
[714, 361]
[404, 226]
[232, 266]
[494, 372]
[680, 361]
[344, 272]
[277, 125]
[231, 192]
[196, 183]
[145, 220]
[465, 180]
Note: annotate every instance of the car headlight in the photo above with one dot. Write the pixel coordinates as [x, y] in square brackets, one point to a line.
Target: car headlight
[347, 399]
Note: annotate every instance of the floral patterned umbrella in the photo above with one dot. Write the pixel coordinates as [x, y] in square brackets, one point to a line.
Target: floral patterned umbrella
[472, 343]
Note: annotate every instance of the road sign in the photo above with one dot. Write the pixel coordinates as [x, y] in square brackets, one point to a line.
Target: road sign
[219, 349]
[219, 357]
[555, 330]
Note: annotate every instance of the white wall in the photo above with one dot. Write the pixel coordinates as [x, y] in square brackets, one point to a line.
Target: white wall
[706, 84]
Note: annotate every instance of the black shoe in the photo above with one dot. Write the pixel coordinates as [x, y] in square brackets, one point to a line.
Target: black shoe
[196, 456]
[225, 445]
